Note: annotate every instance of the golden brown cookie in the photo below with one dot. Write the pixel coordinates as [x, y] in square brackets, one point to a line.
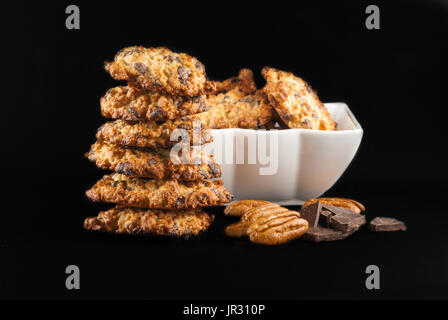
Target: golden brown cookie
[239, 208]
[154, 164]
[160, 69]
[244, 83]
[295, 102]
[150, 134]
[235, 109]
[175, 223]
[350, 204]
[162, 194]
[132, 103]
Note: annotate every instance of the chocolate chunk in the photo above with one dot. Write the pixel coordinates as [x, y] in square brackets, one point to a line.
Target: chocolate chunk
[319, 234]
[183, 74]
[140, 67]
[347, 221]
[325, 216]
[386, 224]
[336, 210]
[311, 213]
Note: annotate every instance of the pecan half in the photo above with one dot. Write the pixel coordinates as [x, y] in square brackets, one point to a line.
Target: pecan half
[239, 208]
[265, 222]
[350, 204]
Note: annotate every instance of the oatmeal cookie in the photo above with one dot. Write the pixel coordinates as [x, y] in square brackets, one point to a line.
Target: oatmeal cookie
[154, 164]
[160, 69]
[295, 102]
[150, 134]
[161, 194]
[132, 103]
[235, 109]
[244, 83]
[174, 223]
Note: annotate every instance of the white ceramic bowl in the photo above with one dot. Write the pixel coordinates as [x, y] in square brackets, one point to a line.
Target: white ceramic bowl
[309, 162]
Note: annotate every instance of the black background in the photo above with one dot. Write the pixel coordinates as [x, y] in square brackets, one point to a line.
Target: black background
[393, 79]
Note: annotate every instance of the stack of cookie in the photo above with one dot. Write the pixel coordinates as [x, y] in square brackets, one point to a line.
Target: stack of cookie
[157, 189]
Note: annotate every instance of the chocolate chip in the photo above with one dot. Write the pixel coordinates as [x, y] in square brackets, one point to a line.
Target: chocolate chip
[248, 100]
[180, 201]
[180, 103]
[134, 113]
[287, 116]
[235, 80]
[129, 52]
[202, 107]
[306, 123]
[200, 66]
[308, 88]
[214, 169]
[197, 99]
[183, 74]
[170, 58]
[140, 67]
[125, 168]
[204, 174]
[156, 114]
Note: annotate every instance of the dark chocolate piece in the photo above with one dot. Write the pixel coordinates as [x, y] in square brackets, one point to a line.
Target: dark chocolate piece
[311, 213]
[347, 221]
[319, 234]
[336, 210]
[325, 216]
[386, 224]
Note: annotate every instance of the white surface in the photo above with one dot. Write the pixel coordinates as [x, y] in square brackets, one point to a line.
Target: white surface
[309, 161]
